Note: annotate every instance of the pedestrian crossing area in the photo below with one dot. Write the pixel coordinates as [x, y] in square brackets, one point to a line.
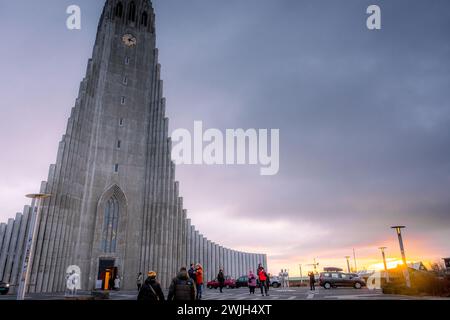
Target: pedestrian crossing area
[243, 294]
[239, 295]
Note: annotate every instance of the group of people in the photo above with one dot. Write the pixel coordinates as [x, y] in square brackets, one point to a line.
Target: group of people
[261, 279]
[284, 278]
[188, 284]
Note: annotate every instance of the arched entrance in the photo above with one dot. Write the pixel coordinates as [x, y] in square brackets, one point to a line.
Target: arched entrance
[110, 238]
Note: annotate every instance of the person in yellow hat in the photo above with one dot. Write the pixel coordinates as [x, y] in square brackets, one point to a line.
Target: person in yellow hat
[151, 290]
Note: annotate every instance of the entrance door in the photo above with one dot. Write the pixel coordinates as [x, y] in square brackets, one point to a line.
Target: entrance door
[106, 272]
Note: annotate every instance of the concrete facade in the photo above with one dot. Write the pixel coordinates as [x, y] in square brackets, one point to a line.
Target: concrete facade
[114, 196]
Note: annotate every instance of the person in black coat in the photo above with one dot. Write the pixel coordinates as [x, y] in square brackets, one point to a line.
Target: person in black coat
[151, 290]
[221, 280]
[182, 287]
[191, 272]
[312, 281]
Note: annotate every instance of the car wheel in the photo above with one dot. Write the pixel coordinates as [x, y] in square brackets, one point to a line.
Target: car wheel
[276, 285]
[228, 286]
[327, 285]
[357, 285]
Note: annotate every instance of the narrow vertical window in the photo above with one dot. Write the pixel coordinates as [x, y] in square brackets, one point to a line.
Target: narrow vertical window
[119, 10]
[121, 122]
[119, 144]
[132, 12]
[110, 225]
[127, 60]
[122, 100]
[144, 19]
[116, 167]
[125, 80]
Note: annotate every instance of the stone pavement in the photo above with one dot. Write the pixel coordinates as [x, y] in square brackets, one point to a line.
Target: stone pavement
[242, 294]
[302, 294]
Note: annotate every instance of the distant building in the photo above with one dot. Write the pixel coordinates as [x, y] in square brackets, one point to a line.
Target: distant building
[419, 266]
[447, 263]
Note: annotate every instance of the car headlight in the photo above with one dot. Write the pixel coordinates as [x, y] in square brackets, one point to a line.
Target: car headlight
[7, 285]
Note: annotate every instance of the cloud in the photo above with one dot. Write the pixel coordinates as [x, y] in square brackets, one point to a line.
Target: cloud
[364, 116]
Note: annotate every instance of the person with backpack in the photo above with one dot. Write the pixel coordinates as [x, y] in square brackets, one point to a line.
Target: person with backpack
[251, 282]
[151, 290]
[182, 287]
[221, 280]
[262, 276]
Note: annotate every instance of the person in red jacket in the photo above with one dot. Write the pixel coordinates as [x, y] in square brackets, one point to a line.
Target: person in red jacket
[199, 280]
[262, 276]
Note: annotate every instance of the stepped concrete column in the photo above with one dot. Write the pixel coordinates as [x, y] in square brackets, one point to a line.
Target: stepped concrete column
[6, 241]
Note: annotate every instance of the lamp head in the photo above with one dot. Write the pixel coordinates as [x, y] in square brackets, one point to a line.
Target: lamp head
[38, 195]
[398, 228]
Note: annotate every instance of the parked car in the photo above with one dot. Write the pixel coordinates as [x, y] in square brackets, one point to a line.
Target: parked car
[4, 287]
[330, 280]
[242, 282]
[275, 282]
[229, 283]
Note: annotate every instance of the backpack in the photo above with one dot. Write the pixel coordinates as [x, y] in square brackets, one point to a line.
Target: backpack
[182, 290]
[182, 282]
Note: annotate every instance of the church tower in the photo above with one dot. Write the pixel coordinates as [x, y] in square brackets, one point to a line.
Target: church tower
[115, 207]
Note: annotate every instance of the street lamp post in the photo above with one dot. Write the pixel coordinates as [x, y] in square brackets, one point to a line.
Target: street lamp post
[384, 262]
[354, 258]
[398, 229]
[28, 257]
[301, 274]
[315, 266]
[348, 263]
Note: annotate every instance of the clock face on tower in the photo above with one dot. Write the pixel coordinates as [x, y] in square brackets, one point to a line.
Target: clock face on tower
[129, 40]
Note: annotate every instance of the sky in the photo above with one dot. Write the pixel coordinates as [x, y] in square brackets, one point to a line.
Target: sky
[364, 118]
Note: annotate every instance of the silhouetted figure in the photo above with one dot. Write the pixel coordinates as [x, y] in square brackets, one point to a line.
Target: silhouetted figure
[312, 280]
[221, 280]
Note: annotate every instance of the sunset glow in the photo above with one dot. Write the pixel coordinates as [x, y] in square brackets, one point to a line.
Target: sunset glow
[391, 264]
